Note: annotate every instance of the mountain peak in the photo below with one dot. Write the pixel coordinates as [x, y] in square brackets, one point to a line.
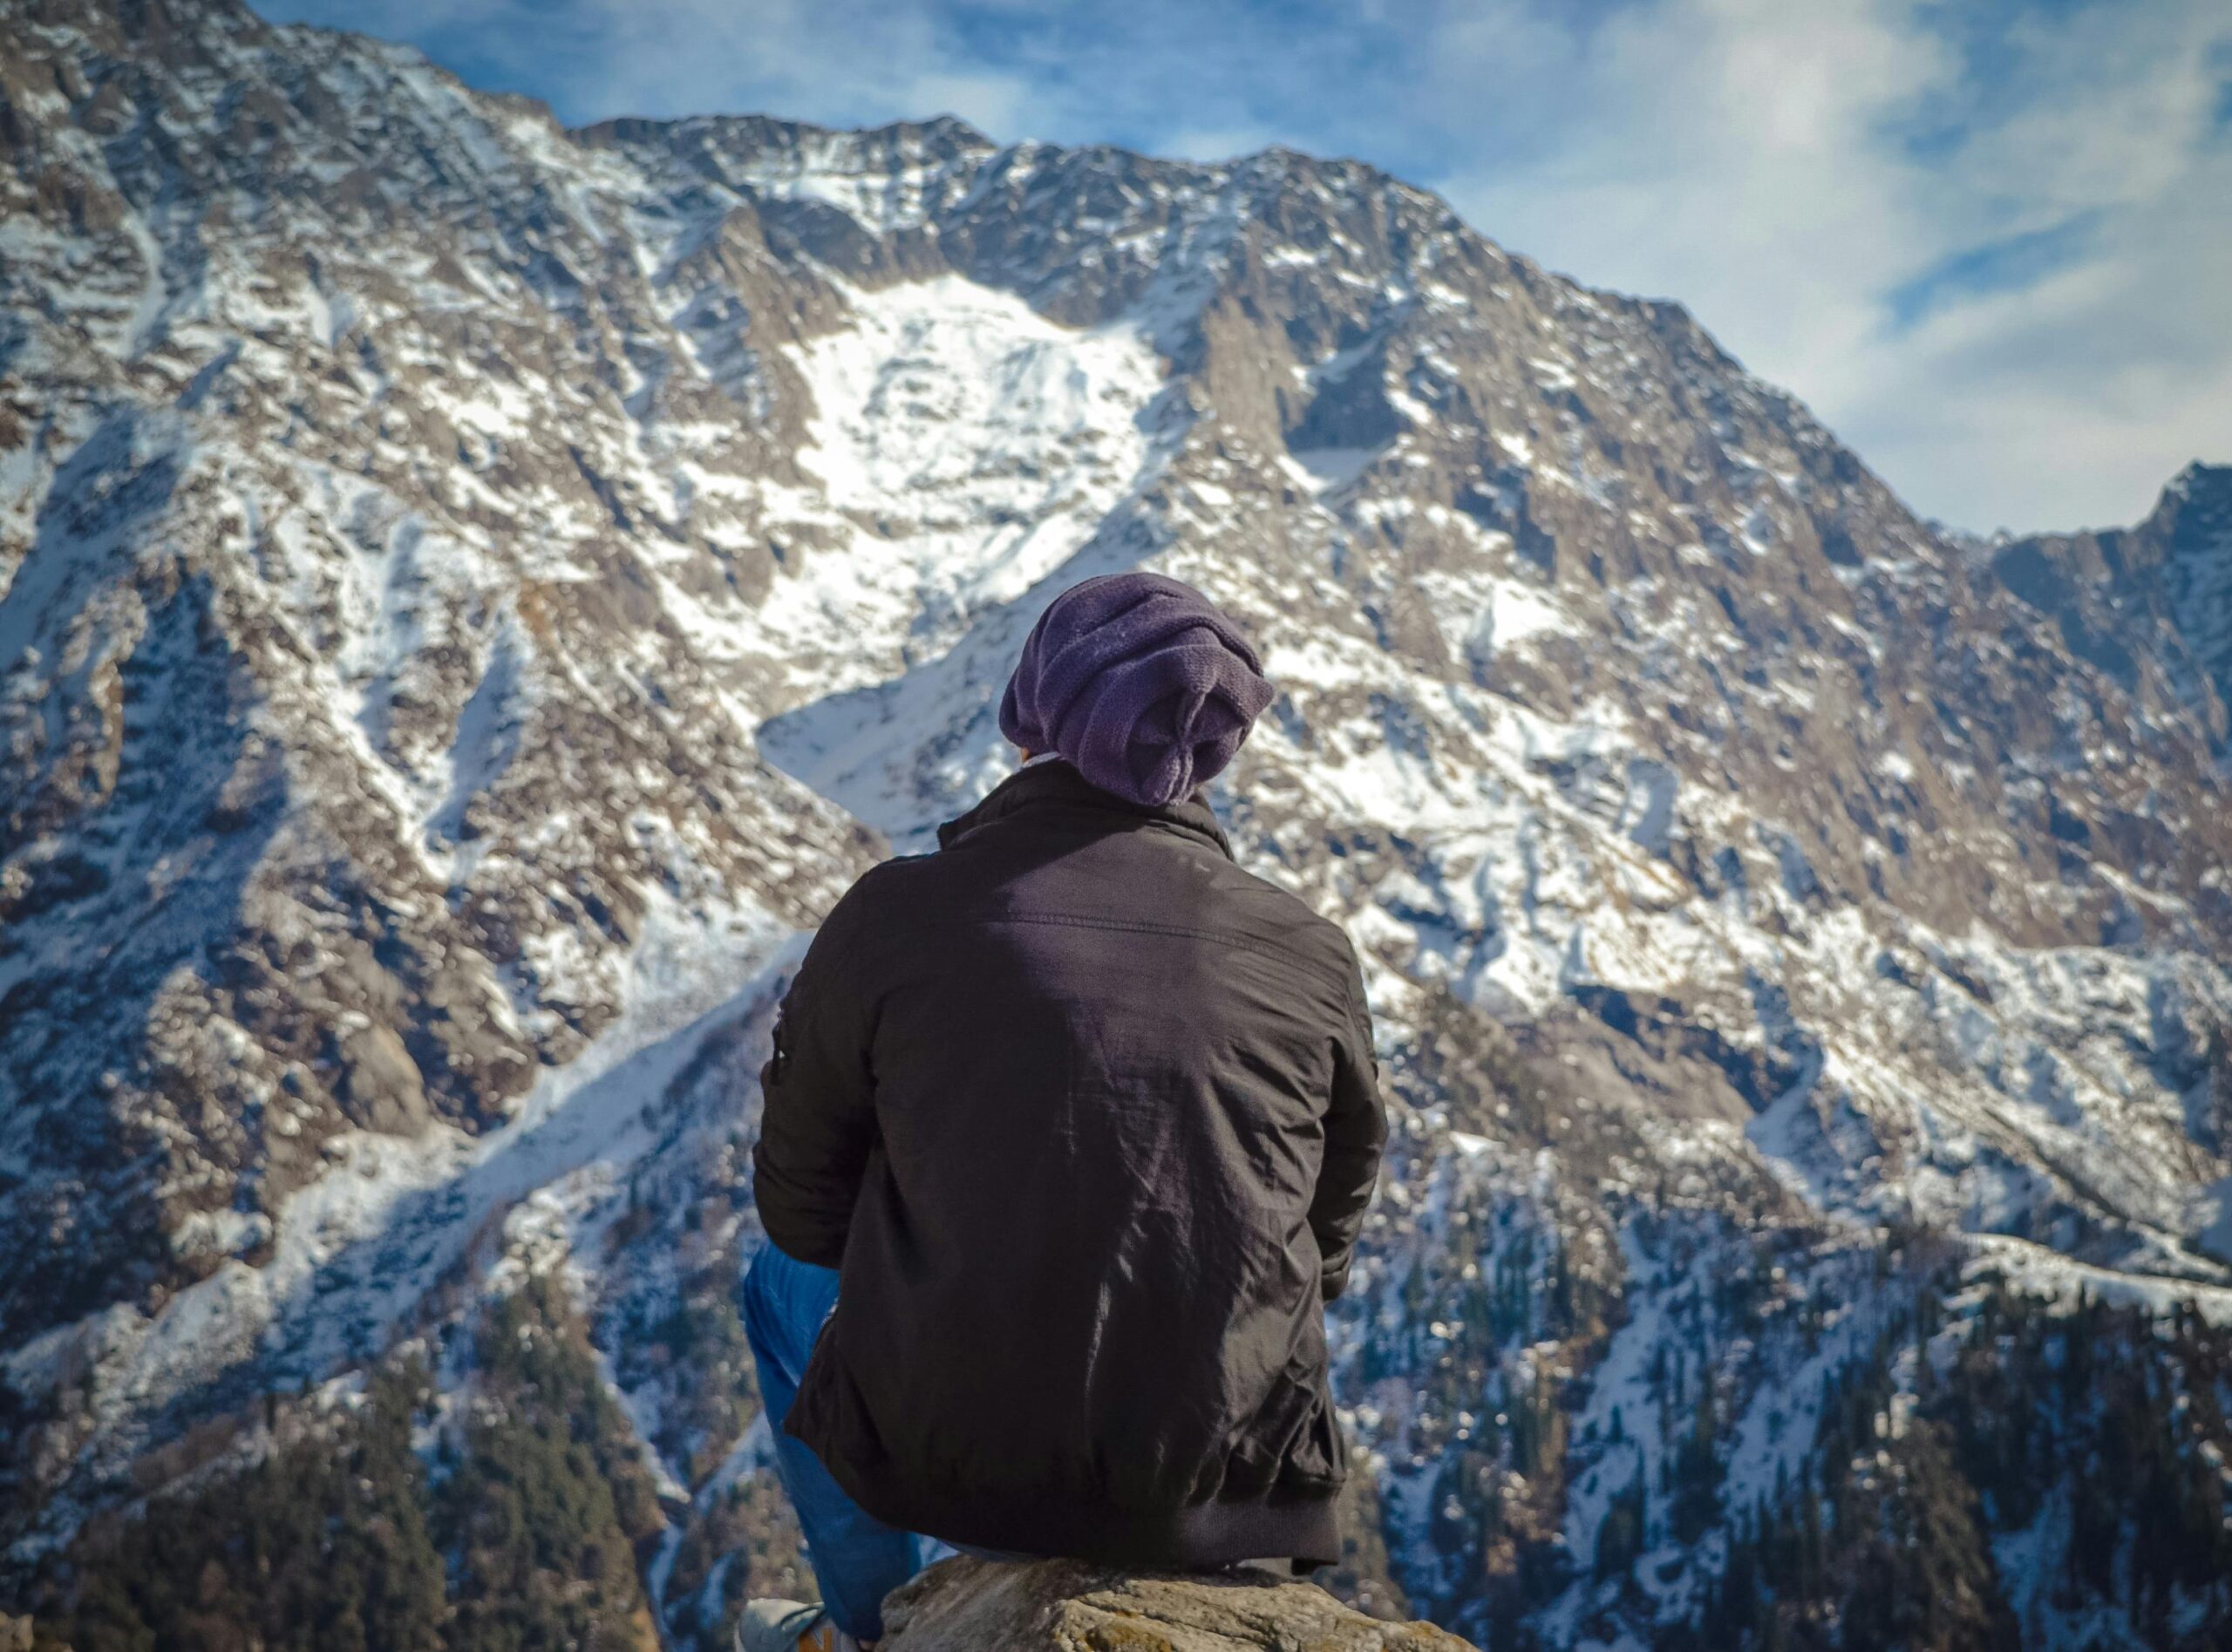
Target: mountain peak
[947, 134]
[2199, 482]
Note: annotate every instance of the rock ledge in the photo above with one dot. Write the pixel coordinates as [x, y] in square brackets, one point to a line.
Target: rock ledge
[968, 1605]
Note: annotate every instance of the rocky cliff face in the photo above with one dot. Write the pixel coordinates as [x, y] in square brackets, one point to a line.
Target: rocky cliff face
[2150, 606]
[475, 591]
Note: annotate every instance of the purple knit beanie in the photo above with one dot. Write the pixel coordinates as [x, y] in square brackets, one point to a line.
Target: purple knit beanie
[1140, 682]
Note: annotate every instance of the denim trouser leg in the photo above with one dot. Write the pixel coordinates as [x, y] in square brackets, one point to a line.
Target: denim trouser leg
[857, 1559]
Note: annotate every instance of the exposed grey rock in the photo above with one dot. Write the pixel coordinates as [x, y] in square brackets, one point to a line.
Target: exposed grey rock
[968, 1605]
[2149, 605]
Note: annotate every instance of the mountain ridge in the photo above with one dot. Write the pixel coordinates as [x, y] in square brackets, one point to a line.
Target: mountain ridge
[476, 593]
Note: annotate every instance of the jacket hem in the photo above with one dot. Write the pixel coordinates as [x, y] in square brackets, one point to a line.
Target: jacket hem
[1302, 1527]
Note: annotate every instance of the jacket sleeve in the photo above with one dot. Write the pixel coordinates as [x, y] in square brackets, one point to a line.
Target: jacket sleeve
[1356, 1128]
[818, 1116]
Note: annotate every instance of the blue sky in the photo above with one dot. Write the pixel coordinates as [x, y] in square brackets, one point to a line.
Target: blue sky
[1990, 244]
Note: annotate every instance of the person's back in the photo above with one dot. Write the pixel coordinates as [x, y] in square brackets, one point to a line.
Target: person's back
[1086, 1116]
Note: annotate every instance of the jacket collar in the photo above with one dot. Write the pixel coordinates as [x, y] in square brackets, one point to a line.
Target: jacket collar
[1057, 785]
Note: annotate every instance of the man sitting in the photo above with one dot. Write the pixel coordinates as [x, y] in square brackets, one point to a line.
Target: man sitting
[1068, 1131]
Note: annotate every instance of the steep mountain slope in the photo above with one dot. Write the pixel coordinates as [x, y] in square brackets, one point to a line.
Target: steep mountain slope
[476, 591]
[2152, 600]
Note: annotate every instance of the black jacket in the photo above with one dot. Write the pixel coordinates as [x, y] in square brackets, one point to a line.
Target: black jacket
[1088, 1116]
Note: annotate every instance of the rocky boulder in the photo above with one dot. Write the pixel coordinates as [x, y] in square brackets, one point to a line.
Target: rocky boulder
[968, 1605]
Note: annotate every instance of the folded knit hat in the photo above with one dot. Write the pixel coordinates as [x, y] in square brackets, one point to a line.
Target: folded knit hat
[1140, 682]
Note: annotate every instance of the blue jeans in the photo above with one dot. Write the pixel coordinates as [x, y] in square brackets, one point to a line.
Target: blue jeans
[857, 1559]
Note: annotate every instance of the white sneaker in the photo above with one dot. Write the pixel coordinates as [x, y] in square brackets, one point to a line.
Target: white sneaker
[790, 1626]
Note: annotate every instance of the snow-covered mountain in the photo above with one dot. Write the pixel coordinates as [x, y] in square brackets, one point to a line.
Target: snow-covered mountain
[475, 591]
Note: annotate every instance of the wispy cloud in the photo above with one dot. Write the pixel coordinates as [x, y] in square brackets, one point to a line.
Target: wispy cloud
[1989, 242]
[2010, 263]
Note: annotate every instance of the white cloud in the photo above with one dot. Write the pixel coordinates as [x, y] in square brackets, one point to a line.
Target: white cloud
[1219, 143]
